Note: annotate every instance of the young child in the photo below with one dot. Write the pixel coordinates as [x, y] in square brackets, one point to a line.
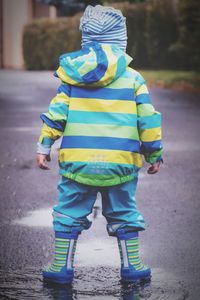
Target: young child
[104, 113]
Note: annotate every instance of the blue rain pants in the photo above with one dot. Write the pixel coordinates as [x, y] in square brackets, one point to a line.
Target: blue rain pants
[76, 201]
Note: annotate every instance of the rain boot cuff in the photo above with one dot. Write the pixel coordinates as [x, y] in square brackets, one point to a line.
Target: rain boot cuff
[123, 235]
[67, 235]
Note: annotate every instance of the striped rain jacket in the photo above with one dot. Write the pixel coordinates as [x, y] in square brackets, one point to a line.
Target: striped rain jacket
[105, 115]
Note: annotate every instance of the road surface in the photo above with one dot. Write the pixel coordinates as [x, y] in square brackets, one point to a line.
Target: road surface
[169, 201]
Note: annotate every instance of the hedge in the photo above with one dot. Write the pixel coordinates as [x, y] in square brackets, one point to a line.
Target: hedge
[187, 47]
[136, 28]
[161, 33]
[44, 40]
[154, 37]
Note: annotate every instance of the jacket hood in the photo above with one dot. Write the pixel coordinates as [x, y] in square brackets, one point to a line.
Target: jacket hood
[95, 65]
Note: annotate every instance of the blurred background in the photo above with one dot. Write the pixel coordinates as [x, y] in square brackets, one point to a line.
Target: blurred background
[162, 35]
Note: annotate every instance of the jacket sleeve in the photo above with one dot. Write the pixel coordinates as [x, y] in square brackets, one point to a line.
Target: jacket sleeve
[149, 123]
[54, 121]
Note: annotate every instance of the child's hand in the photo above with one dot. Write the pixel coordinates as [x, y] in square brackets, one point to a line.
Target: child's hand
[41, 159]
[154, 168]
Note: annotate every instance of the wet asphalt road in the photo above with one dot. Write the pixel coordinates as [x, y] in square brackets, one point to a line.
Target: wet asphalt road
[169, 201]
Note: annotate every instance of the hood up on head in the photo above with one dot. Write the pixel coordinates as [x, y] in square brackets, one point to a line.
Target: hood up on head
[95, 65]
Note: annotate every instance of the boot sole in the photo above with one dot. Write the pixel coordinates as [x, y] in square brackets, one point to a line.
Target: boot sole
[58, 281]
[55, 278]
[136, 280]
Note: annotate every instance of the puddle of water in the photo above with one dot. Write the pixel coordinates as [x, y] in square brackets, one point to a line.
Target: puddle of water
[99, 250]
[37, 218]
[43, 218]
[90, 283]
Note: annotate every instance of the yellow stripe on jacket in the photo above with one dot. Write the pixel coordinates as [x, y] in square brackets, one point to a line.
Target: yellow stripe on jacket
[112, 156]
[99, 105]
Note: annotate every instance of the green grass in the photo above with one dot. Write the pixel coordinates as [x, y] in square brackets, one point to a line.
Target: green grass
[183, 80]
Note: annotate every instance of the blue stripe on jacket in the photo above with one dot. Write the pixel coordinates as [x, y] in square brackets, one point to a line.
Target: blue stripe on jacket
[150, 147]
[94, 142]
[53, 124]
[102, 93]
[64, 88]
[96, 74]
[143, 99]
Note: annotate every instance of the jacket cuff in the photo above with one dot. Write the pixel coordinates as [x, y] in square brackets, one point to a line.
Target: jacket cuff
[159, 159]
[46, 141]
[43, 149]
[154, 157]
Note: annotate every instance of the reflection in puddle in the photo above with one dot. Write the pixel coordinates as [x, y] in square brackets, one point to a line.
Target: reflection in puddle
[90, 283]
[91, 280]
[68, 293]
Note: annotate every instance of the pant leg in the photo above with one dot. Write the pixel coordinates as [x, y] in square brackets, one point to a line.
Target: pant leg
[119, 207]
[75, 203]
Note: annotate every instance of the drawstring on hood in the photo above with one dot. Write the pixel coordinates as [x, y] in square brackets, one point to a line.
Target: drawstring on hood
[95, 65]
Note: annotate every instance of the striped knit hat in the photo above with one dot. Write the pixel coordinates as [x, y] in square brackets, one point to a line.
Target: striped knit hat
[103, 25]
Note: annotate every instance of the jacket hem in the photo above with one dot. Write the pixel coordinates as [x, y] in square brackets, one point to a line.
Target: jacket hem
[100, 182]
